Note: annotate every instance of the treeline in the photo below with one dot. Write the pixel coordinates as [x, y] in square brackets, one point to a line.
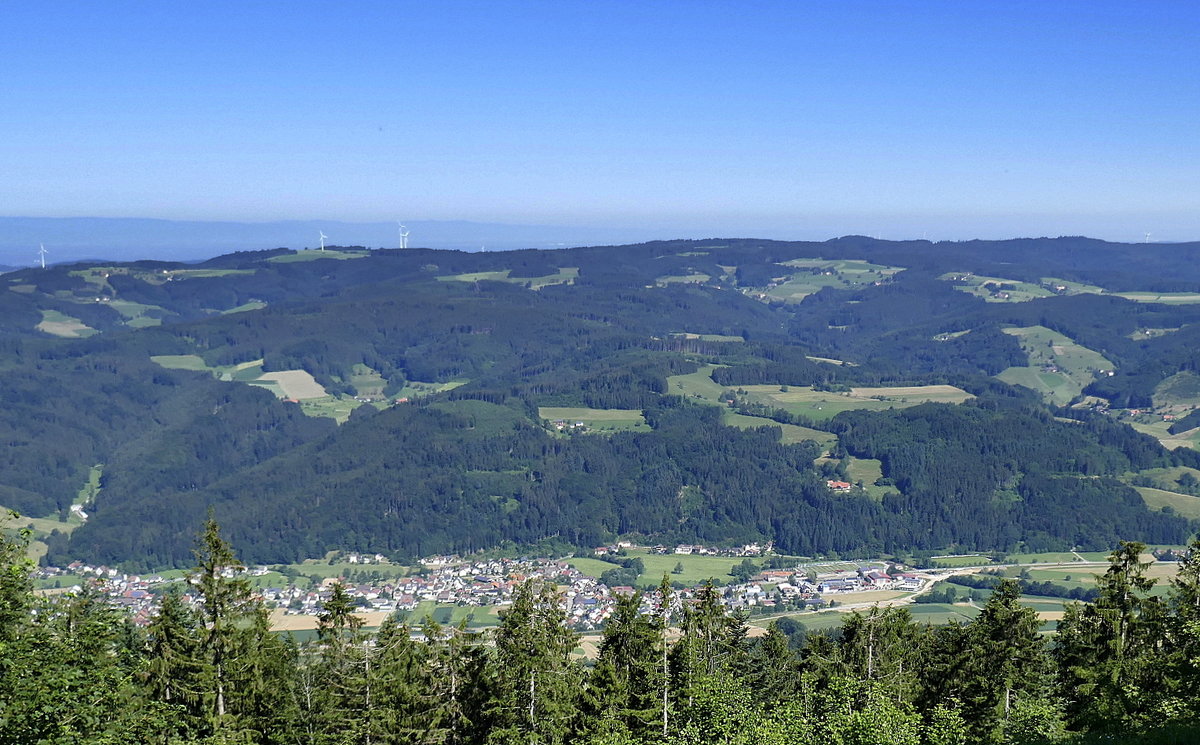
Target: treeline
[995, 473]
[1027, 586]
[668, 671]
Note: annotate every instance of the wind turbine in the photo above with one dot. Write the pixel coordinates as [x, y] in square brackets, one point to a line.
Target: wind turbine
[1147, 236]
[42, 254]
[323, 237]
[403, 236]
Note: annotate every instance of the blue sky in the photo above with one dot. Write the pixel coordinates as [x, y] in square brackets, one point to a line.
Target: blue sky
[791, 119]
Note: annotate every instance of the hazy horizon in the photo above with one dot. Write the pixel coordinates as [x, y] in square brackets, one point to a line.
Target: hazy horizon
[786, 120]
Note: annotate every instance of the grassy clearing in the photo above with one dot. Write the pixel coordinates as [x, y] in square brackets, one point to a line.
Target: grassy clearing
[698, 385]
[1150, 333]
[940, 614]
[1052, 557]
[868, 471]
[416, 388]
[599, 420]
[57, 323]
[945, 394]
[1168, 298]
[366, 381]
[91, 486]
[136, 314]
[252, 305]
[1180, 390]
[791, 433]
[951, 562]
[564, 276]
[696, 569]
[1058, 368]
[316, 254]
[820, 405]
[180, 361]
[1182, 504]
[1159, 430]
[690, 279]
[830, 361]
[707, 337]
[330, 407]
[207, 273]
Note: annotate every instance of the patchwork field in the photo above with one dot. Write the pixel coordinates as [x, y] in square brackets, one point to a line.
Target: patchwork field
[996, 289]
[700, 386]
[792, 433]
[294, 384]
[816, 274]
[1058, 368]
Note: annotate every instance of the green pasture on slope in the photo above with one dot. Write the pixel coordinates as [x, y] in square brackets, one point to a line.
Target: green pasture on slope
[600, 420]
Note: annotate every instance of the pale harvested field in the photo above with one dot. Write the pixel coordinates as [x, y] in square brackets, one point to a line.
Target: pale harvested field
[297, 384]
[1051, 615]
[283, 622]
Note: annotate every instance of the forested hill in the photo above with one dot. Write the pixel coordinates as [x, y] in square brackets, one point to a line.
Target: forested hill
[982, 395]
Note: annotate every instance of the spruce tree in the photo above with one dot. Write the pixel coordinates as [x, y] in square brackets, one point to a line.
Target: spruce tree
[536, 684]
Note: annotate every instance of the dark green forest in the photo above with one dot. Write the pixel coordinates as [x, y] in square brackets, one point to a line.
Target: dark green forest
[487, 339]
[669, 669]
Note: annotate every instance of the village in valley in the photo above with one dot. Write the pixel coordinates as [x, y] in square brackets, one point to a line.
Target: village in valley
[475, 591]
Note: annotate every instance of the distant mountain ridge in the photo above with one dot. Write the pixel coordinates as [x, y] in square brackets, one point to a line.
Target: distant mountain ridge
[131, 239]
[427, 401]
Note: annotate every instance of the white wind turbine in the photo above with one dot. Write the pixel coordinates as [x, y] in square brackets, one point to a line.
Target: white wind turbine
[323, 237]
[403, 235]
[42, 254]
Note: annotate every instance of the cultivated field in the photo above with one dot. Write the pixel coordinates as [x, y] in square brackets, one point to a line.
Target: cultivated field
[297, 384]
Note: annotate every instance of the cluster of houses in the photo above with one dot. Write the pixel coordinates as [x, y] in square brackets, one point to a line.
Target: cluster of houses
[451, 581]
[747, 550]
